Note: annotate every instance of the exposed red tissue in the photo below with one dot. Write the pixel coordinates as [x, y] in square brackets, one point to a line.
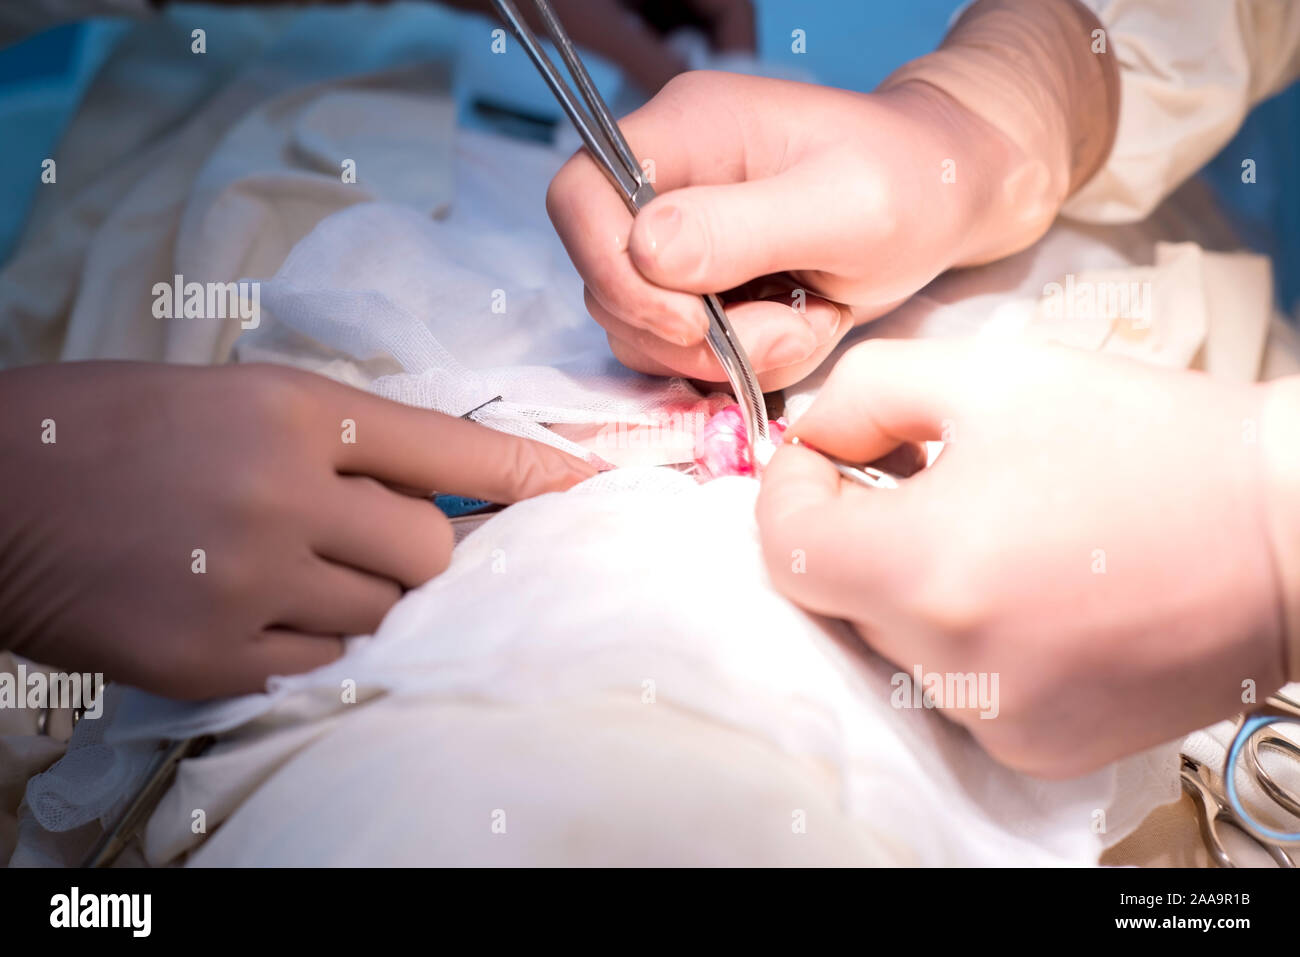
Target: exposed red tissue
[722, 446]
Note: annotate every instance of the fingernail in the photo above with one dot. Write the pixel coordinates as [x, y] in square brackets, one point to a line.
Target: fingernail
[677, 330]
[823, 319]
[671, 240]
[661, 225]
[689, 334]
[789, 350]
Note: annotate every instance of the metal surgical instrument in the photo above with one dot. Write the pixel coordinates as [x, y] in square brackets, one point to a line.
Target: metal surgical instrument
[604, 141]
[864, 475]
[1218, 798]
[1248, 740]
[145, 800]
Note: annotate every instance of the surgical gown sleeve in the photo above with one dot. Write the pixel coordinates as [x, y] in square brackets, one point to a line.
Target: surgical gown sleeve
[1190, 71]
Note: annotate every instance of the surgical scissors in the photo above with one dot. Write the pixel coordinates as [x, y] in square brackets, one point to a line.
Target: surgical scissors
[1248, 740]
[607, 146]
[1216, 807]
[1212, 813]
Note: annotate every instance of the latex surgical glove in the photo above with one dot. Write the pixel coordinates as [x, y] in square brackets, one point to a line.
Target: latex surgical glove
[192, 531]
[1119, 544]
[816, 209]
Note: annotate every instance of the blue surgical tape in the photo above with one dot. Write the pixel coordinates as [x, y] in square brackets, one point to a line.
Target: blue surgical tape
[454, 506]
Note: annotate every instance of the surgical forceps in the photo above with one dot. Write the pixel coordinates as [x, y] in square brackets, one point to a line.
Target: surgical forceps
[865, 475]
[604, 141]
[1214, 808]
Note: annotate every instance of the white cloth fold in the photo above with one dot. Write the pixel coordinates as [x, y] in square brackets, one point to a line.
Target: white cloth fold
[530, 614]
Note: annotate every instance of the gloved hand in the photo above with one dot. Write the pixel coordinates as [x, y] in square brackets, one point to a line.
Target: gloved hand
[1112, 540]
[768, 187]
[771, 187]
[815, 209]
[304, 536]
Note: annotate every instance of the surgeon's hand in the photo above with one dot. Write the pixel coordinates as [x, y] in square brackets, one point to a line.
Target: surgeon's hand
[1113, 541]
[815, 209]
[819, 209]
[192, 531]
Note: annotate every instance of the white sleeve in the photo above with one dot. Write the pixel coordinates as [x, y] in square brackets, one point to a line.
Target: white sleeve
[1190, 71]
[22, 18]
